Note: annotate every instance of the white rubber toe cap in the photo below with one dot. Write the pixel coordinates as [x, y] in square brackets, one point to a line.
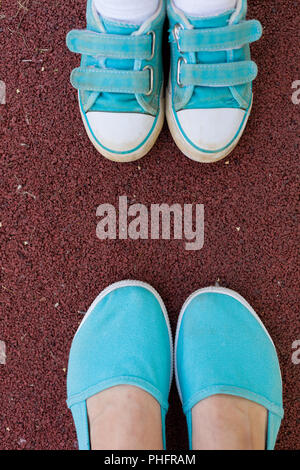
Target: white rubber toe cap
[120, 132]
[211, 129]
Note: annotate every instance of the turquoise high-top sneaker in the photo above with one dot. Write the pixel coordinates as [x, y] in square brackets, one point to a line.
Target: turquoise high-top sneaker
[223, 348]
[120, 83]
[209, 96]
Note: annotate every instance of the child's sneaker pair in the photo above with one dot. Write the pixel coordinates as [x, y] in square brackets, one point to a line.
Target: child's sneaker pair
[121, 85]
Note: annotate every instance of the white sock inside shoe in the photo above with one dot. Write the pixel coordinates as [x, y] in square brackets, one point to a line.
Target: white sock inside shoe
[205, 7]
[129, 11]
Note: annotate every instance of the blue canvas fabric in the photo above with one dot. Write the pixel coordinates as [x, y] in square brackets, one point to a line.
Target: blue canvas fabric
[124, 339]
[121, 65]
[204, 48]
[223, 348]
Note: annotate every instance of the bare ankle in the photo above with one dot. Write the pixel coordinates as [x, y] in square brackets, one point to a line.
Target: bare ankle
[229, 423]
[124, 418]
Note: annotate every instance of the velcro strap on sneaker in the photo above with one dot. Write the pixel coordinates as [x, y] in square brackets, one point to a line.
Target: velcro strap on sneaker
[112, 81]
[110, 45]
[219, 39]
[218, 75]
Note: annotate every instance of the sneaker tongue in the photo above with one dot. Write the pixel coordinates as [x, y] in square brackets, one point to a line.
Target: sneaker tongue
[212, 21]
[207, 96]
[115, 27]
[122, 29]
[117, 101]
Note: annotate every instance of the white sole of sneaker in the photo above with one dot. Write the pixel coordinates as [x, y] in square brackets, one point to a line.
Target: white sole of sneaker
[187, 149]
[137, 154]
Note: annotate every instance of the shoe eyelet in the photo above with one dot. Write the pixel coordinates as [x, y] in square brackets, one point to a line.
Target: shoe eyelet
[148, 67]
[180, 60]
[153, 34]
[176, 30]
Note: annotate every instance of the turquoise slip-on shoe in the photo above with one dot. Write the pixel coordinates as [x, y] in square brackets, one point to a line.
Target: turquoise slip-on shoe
[120, 83]
[209, 96]
[125, 338]
[222, 347]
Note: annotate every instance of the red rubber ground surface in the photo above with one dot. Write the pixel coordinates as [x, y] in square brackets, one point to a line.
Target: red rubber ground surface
[52, 181]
